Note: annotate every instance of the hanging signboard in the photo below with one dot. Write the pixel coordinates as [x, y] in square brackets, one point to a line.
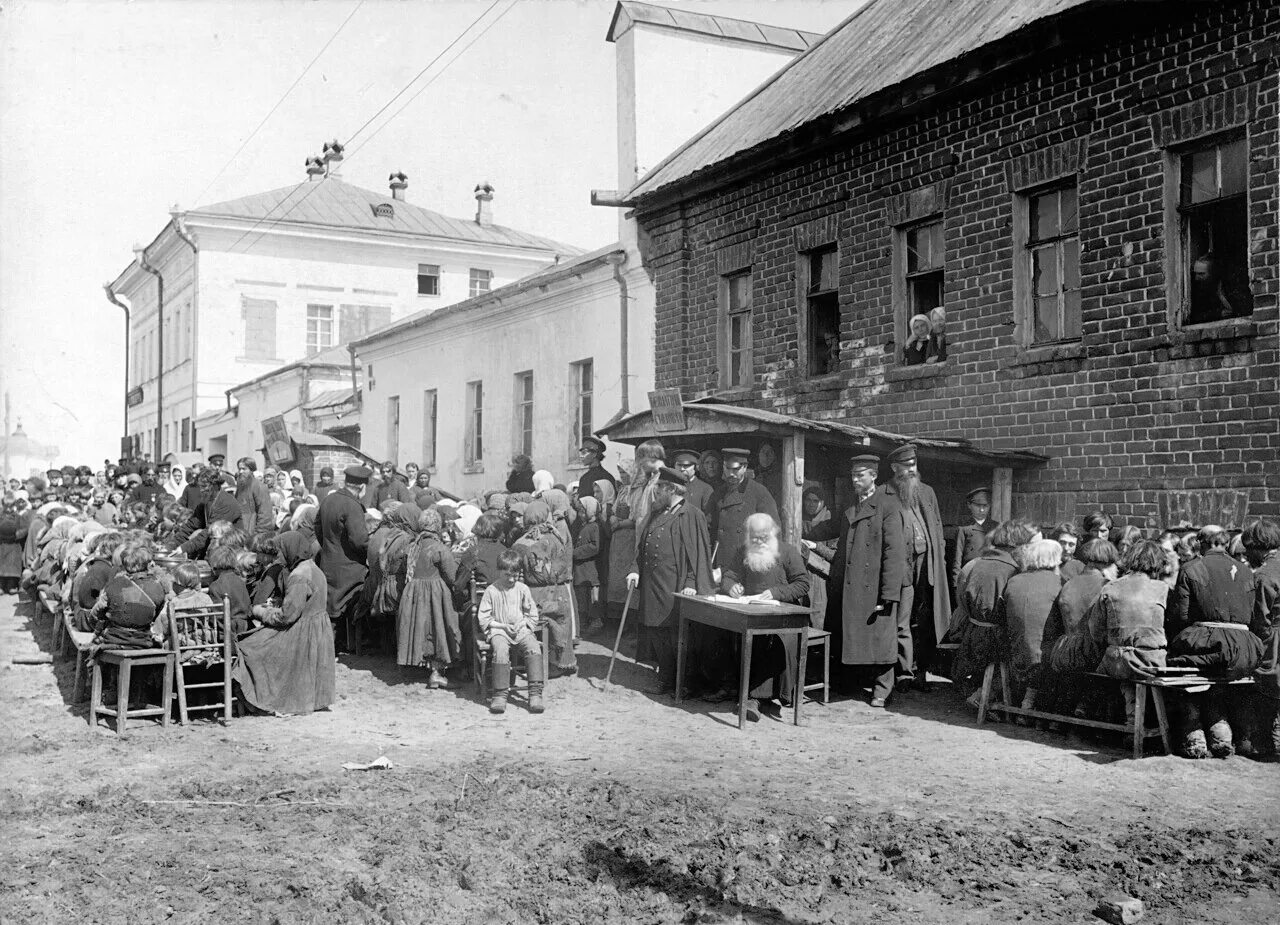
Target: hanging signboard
[668, 411]
[275, 435]
[134, 397]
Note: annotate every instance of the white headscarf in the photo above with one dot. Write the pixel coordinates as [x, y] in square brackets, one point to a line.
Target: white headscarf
[542, 481]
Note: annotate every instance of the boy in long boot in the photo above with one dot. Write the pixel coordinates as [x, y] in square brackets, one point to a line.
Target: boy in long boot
[508, 617]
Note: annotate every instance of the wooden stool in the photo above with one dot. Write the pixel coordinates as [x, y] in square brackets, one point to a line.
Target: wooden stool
[125, 660]
[821, 639]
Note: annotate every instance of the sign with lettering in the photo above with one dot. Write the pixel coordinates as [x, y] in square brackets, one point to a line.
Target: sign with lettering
[1197, 507]
[275, 435]
[668, 411]
[134, 397]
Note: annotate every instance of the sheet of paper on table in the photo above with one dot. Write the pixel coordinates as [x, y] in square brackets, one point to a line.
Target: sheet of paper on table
[745, 599]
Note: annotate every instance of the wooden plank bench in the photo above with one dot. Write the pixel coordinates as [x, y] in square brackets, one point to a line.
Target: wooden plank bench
[80, 641]
[1137, 731]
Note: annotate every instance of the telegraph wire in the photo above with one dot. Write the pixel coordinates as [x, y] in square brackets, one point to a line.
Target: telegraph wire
[314, 186]
[306, 70]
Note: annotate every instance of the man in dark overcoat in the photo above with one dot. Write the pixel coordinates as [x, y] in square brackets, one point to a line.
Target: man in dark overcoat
[591, 455]
[926, 599]
[868, 574]
[737, 499]
[673, 557]
[344, 541]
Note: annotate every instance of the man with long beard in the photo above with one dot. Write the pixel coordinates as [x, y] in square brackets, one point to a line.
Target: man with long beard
[764, 568]
[926, 597]
[253, 498]
[737, 499]
[673, 557]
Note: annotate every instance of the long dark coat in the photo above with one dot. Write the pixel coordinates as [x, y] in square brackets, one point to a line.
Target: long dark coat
[674, 553]
[1265, 624]
[937, 554]
[971, 539]
[343, 544]
[733, 504]
[869, 567]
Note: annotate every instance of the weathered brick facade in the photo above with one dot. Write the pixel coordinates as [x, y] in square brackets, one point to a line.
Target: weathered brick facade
[1141, 407]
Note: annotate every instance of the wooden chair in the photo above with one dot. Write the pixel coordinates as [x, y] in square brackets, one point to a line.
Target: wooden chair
[125, 661]
[201, 637]
[482, 653]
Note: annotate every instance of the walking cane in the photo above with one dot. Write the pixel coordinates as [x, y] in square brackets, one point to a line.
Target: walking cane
[617, 640]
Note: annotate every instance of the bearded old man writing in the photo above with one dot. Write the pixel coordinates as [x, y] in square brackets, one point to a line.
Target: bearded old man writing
[765, 569]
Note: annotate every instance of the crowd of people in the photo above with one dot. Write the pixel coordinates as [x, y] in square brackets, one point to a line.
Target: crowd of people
[382, 559]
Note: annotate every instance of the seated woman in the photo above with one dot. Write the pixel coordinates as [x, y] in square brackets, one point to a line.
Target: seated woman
[979, 591]
[1024, 611]
[1130, 618]
[96, 572]
[228, 583]
[1068, 649]
[129, 604]
[266, 582]
[286, 666]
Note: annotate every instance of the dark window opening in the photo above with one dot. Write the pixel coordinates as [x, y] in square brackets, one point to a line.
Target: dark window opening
[1213, 204]
[823, 311]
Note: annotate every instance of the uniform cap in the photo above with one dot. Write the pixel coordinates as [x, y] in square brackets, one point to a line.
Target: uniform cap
[692, 454]
[903, 454]
[674, 476]
[357, 475]
[865, 461]
[975, 493]
[735, 452]
[594, 443]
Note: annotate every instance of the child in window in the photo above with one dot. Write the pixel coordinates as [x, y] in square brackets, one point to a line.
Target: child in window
[508, 617]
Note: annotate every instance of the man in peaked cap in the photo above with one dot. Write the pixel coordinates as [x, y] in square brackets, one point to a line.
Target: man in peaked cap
[344, 541]
[697, 493]
[971, 538]
[591, 455]
[927, 595]
[737, 499]
[868, 571]
[673, 556]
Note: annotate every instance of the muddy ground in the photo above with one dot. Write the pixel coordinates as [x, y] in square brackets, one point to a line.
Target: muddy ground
[614, 807]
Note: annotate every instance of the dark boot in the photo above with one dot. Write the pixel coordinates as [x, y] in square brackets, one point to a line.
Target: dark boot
[501, 682]
[534, 672]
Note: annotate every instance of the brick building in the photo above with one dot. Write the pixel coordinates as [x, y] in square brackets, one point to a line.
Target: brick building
[1087, 189]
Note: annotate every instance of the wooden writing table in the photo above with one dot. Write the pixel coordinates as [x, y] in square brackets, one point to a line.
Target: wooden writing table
[748, 621]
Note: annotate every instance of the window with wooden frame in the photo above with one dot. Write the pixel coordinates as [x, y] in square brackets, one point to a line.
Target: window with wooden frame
[1212, 234]
[1048, 221]
[820, 270]
[921, 260]
[319, 328]
[429, 422]
[583, 385]
[524, 413]
[735, 303]
[473, 451]
[428, 279]
[479, 282]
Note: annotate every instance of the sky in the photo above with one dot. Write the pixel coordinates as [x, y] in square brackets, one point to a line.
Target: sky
[113, 111]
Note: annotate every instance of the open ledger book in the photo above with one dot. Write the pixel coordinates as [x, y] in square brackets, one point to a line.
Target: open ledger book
[745, 599]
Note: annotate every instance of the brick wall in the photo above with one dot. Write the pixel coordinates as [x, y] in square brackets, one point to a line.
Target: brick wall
[1140, 407]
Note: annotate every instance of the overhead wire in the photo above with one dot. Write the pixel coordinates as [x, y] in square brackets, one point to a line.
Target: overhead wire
[314, 186]
[306, 70]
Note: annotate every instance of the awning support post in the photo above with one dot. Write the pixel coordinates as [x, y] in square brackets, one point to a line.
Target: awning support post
[791, 506]
[1001, 494]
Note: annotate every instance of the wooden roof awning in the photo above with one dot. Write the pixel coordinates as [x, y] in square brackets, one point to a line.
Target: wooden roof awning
[706, 419]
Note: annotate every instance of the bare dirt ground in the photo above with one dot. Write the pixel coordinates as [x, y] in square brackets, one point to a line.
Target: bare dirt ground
[613, 807]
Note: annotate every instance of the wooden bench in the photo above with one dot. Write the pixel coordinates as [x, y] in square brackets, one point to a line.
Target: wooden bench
[79, 641]
[1172, 678]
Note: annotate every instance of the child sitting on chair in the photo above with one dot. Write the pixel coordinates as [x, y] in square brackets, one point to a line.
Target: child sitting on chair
[508, 617]
[228, 583]
[187, 595]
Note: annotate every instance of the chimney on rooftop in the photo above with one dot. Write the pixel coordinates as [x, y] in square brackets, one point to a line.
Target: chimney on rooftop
[315, 169]
[484, 196]
[333, 158]
[399, 183]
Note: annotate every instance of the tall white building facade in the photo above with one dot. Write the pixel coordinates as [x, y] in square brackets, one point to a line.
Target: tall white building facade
[256, 283]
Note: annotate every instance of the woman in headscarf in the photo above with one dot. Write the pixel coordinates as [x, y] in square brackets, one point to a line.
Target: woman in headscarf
[286, 666]
[304, 522]
[548, 569]
[818, 552]
[543, 481]
[13, 534]
[918, 348]
[129, 604]
[400, 528]
[47, 571]
[427, 631]
[1024, 611]
[176, 483]
[520, 478]
[561, 512]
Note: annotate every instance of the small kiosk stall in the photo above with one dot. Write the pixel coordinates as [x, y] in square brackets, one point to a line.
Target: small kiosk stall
[792, 452]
